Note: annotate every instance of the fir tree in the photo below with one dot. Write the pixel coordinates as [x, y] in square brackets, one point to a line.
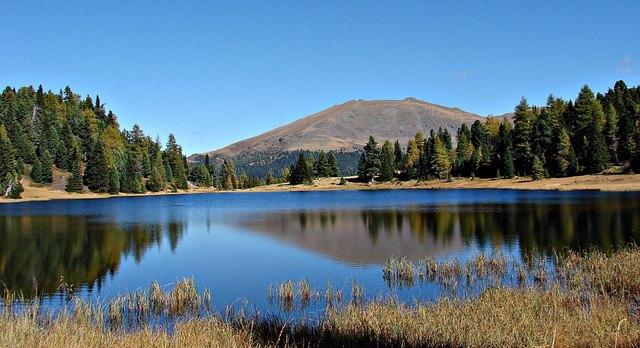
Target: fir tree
[537, 169]
[74, 181]
[7, 159]
[36, 171]
[16, 189]
[397, 153]
[96, 175]
[47, 166]
[114, 181]
[334, 170]
[387, 162]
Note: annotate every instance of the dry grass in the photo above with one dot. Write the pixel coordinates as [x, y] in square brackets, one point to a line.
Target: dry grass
[588, 300]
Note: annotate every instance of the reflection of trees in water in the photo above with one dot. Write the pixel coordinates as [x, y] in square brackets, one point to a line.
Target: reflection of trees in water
[43, 248]
[537, 228]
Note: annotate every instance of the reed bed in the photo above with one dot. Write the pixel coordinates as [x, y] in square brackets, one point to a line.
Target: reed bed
[587, 300]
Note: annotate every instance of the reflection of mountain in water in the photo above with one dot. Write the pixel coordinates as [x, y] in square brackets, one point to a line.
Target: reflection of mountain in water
[43, 248]
[363, 237]
[366, 237]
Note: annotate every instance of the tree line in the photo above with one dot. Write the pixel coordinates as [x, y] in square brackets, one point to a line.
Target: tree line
[559, 139]
[41, 130]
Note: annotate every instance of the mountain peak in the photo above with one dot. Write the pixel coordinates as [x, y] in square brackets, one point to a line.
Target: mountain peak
[347, 126]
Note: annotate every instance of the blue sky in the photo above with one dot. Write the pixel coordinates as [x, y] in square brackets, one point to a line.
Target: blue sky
[215, 72]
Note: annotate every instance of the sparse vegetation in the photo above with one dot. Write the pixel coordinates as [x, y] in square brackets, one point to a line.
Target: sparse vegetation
[587, 300]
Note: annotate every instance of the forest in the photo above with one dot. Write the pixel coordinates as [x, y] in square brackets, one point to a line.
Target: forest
[44, 132]
[40, 131]
[590, 135]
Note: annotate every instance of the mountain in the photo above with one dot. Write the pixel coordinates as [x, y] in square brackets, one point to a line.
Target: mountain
[347, 127]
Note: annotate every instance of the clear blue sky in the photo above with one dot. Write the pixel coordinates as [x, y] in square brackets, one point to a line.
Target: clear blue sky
[215, 72]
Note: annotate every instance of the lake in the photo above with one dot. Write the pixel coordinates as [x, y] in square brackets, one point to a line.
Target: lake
[240, 244]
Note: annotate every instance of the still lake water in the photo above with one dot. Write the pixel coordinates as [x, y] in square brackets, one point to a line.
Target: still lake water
[239, 244]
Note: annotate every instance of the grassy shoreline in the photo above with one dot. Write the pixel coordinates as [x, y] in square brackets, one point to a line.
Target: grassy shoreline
[589, 300]
[601, 182]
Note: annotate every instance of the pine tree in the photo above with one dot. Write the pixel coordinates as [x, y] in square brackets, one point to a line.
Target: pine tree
[16, 189]
[321, 166]
[96, 175]
[508, 165]
[362, 167]
[74, 181]
[523, 120]
[372, 154]
[47, 166]
[334, 170]
[7, 159]
[597, 154]
[397, 153]
[114, 181]
[36, 171]
[610, 129]
[299, 174]
[537, 170]
[387, 162]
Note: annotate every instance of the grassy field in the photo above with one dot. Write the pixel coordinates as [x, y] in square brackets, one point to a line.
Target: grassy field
[588, 300]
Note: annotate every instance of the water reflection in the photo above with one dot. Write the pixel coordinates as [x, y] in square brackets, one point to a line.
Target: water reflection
[37, 250]
[213, 237]
[370, 236]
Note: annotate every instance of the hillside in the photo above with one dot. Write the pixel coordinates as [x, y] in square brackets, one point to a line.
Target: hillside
[346, 127]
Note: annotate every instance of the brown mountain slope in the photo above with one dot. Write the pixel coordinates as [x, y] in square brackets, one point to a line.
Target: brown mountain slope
[348, 126]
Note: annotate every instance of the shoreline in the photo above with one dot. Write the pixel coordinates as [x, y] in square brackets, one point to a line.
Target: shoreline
[597, 182]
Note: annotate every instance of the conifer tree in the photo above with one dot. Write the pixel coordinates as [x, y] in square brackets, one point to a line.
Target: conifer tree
[96, 175]
[372, 154]
[334, 170]
[362, 167]
[74, 181]
[523, 120]
[7, 159]
[537, 170]
[47, 166]
[36, 171]
[387, 162]
[440, 164]
[16, 189]
[397, 153]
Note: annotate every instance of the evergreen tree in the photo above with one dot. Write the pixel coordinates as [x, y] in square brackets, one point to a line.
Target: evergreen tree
[20, 167]
[47, 166]
[537, 169]
[96, 175]
[597, 154]
[173, 154]
[74, 181]
[299, 173]
[36, 171]
[387, 162]
[397, 153]
[334, 170]
[362, 167]
[321, 166]
[7, 159]
[16, 189]
[154, 184]
[202, 176]
[523, 120]
[372, 154]
[508, 165]
[610, 129]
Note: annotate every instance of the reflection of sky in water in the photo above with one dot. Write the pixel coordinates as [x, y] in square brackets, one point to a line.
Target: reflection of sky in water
[239, 244]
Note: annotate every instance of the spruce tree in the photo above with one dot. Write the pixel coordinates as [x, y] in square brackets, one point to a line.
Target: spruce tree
[74, 181]
[334, 170]
[387, 162]
[114, 181]
[397, 153]
[537, 170]
[523, 120]
[16, 189]
[372, 154]
[7, 159]
[36, 171]
[96, 175]
[47, 166]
